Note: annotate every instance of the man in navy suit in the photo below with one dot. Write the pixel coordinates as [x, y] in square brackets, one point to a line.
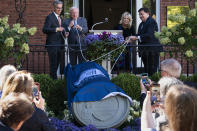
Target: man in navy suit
[54, 31]
[145, 36]
[77, 27]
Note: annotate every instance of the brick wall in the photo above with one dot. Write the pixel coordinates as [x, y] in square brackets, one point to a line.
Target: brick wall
[37, 10]
[34, 15]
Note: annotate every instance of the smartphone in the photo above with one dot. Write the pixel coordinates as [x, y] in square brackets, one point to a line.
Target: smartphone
[144, 77]
[155, 93]
[36, 89]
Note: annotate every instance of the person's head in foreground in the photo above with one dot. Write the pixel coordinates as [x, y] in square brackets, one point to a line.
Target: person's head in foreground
[170, 68]
[5, 71]
[18, 82]
[15, 108]
[165, 84]
[181, 108]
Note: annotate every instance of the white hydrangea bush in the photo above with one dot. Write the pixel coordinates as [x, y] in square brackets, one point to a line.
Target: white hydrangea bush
[183, 36]
[14, 40]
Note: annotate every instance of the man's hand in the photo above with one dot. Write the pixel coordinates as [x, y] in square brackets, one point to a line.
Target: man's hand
[71, 24]
[79, 27]
[133, 38]
[59, 29]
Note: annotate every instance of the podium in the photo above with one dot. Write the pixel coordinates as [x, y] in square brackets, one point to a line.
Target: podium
[106, 64]
[114, 32]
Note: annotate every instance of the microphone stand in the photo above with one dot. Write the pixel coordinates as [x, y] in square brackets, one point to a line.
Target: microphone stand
[98, 24]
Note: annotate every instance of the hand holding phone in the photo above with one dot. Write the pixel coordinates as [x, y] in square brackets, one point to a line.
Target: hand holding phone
[36, 90]
[155, 93]
[145, 80]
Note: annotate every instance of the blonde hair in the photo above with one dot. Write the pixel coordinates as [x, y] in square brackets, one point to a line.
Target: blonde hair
[18, 82]
[181, 108]
[5, 71]
[129, 16]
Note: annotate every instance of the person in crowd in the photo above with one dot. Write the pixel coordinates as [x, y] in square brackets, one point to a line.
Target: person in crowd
[22, 82]
[77, 27]
[128, 29]
[5, 71]
[169, 68]
[15, 109]
[55, 41]
[166, 82]
[149, 45]
[180, 107]
[125, 25]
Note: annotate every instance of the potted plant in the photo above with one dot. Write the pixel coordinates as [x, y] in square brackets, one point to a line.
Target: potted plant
[101, 44]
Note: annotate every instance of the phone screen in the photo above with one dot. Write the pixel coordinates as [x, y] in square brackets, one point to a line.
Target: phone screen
[36, 89]
[155, 93]
[144, 77]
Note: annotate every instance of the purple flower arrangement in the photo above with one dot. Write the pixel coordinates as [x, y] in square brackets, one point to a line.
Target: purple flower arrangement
[63, 125]
[101, 44]
[105, 37]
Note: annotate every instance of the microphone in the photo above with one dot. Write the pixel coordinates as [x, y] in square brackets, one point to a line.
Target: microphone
[106, 20]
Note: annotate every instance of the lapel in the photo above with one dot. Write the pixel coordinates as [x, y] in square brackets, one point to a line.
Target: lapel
[142, 26]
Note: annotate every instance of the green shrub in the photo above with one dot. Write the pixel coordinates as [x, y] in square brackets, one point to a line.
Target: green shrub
[46, 83]
[57, 96]
[155, 77]
[54, 92]
[129, 83]
[193, 78]
[184, 78]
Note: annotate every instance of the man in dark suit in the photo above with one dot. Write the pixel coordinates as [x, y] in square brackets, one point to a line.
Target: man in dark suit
[54, 30]
[145, 36]
[77, 27]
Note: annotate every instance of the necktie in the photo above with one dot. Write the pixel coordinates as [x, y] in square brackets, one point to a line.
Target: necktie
[75, 23]
[59, 20]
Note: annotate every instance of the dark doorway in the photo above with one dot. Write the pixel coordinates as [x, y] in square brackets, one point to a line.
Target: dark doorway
[97, 10]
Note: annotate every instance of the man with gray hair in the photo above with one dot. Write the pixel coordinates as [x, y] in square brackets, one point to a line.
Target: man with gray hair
[170, 68]
[54, 31]
[77, 27]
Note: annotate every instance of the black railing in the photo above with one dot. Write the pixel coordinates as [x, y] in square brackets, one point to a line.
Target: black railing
[37, 60]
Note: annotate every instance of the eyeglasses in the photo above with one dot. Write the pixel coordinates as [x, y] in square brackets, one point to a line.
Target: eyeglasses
[58, 8]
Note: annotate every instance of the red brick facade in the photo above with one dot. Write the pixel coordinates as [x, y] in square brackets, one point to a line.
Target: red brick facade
[34, 15]
[37, 10]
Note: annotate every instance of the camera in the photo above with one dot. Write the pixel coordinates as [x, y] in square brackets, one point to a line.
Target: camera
[144, 77]
[155, 93]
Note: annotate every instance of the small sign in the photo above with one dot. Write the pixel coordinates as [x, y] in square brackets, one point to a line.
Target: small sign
[173, 10]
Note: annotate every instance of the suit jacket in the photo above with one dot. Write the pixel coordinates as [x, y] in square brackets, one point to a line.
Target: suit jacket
[126, 32]
[49, 28]
[146, 32]
[38, 122]
[73, 37]
[3, 127]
